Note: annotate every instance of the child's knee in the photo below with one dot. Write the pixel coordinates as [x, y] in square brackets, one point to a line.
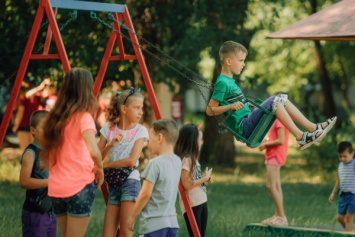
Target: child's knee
[279, 101]
[340, 218]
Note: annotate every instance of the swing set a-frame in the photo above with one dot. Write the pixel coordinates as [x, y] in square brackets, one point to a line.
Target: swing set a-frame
[120, 12]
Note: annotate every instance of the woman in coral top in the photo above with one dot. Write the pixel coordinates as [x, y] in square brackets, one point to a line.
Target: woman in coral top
[76, 169]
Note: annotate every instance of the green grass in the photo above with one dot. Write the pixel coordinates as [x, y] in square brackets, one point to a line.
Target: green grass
[235, 198]
[231, 207]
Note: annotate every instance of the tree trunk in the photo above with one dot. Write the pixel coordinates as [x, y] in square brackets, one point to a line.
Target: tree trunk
[327, 105]
[218, 149]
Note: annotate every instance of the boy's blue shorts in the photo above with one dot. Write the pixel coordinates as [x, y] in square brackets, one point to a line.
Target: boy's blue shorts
[346, 203]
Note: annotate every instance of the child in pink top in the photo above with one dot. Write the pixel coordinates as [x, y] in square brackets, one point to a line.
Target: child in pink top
[188, 148]
[275, 156]
[76, 169]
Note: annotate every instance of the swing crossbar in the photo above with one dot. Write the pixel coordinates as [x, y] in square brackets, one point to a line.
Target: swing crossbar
[88, 6]
[261, 129]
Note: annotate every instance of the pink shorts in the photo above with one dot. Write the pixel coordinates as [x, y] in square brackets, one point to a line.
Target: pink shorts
[272, 161]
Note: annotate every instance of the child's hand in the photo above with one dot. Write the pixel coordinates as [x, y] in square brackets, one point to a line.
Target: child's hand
[237, 106]
[331, 197]
[99, 176]
[208, 173]
[130, 223]
[262, 147]
[116, 139]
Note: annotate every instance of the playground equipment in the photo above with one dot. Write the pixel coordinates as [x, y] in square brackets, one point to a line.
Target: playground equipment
[261, 129]
[119, 12]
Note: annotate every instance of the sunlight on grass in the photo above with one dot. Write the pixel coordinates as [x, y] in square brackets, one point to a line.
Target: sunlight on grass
[9, 170]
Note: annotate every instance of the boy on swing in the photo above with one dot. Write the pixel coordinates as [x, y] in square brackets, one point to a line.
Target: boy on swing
[243, 121]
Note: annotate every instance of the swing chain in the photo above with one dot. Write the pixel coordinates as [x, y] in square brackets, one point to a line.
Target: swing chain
[208, 84]
[221, 123]
[73, 16]
[197, 85]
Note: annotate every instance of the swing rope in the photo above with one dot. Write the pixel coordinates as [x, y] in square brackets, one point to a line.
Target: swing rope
[73, 16]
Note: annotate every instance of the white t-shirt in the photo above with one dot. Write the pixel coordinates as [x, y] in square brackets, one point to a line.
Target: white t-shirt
[197, 195]
[124, 148]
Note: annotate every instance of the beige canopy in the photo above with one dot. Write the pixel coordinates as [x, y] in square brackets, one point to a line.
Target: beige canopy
[335, 23]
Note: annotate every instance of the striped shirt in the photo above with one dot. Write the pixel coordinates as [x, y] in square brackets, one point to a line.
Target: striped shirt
[346, 173]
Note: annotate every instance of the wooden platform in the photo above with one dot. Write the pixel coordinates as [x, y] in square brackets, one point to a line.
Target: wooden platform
[260, 230]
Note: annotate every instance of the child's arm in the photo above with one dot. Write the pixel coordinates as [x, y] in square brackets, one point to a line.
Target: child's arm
[19, 116]
[213, 107]
[334, 191]
[104, 147]
[33, 91]
[142, 200]
[26, 181]
[188, 182]
[277, 142]
[95, 153]
[131, 160]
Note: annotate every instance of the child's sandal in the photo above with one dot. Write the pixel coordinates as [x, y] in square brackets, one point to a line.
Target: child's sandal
[308, 139]
[324, 131]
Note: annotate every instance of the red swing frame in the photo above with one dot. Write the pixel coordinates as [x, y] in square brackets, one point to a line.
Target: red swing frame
[53, 30]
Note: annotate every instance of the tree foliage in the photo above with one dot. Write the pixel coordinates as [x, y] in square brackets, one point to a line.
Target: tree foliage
[176, 36]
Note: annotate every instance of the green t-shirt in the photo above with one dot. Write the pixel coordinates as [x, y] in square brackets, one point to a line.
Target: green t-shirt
[224, 89]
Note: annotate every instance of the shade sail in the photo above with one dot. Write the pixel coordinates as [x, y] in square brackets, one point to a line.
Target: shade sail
[336, 23]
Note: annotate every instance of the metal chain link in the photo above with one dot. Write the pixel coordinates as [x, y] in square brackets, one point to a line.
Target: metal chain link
[208, 84]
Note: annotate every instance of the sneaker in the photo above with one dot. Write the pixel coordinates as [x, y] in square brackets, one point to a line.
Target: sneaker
[279, 221]
[266, 221]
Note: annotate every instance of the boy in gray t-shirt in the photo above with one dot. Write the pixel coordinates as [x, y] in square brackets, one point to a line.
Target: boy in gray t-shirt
[156, 201]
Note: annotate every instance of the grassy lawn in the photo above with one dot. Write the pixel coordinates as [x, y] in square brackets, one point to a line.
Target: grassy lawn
[235, 199]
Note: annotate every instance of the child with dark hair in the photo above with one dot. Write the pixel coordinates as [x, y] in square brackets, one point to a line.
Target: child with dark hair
[36, 221]
[188, 148]
[345, 185]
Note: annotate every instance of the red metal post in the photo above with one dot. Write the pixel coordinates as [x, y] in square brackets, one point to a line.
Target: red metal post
[44, 7]
[189, 213]
[142, 66]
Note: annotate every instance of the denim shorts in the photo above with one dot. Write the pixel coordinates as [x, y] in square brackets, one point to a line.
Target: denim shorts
[253, 118]
[346, 203]
[79, 205]
[38, 224]
[128, 191]
[168, 232]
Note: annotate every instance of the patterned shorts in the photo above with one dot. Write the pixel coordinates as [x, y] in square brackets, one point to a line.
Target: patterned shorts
[279, 99]
[79, 205]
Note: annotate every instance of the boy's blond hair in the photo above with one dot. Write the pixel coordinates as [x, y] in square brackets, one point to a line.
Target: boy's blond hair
[168, 128]
[230, 47]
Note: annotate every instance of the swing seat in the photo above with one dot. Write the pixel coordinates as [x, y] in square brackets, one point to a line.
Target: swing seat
[260, 130]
